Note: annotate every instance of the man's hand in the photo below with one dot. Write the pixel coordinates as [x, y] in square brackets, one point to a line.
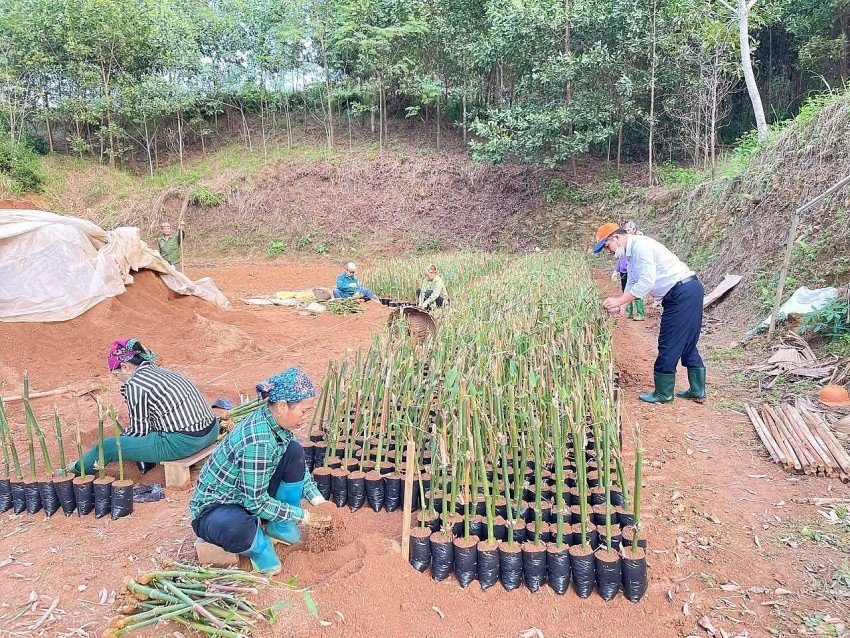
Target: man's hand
[611, 302]
[614, 275]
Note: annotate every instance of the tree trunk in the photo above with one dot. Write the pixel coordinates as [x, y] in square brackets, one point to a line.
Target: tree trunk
[180, 139]
[652, 95]
[463, 100]
[714, 87]
[747, 64]
[438, 125]
[620, 148]
[148, 146]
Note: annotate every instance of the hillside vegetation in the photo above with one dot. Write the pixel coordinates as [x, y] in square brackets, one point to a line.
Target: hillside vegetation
[738, 223]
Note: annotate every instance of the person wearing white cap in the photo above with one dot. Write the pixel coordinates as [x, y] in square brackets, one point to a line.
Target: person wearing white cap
[347, 285]
[652, 268]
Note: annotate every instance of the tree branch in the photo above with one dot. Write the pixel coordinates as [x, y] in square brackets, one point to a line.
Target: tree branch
[728, 6]
[751, 4]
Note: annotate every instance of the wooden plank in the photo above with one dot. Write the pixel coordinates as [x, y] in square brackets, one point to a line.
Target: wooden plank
[408, 499]
[178, 471]
[189, 461]
[729, 282]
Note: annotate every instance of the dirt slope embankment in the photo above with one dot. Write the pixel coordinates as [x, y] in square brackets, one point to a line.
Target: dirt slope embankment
[740, 225]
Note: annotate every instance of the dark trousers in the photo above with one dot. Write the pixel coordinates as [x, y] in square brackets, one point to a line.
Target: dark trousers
[437, 302]
[624, 278]
[681, 322]
[231, 526]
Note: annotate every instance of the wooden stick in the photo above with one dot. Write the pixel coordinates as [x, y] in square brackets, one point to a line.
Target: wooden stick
[790, 459]
[805, 455]
[408, 498]
[764, 435]
[814, 440]
[841, 457]
[803, 435]
[37, 395]
[782, 439]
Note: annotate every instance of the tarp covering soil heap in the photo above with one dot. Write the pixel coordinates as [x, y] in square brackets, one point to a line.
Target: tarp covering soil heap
[54, 267]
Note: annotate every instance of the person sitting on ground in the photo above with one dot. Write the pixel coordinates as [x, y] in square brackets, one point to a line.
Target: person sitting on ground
[258, 474]
[169, 244]
[169, 417]
[433, 290]
[347, 285]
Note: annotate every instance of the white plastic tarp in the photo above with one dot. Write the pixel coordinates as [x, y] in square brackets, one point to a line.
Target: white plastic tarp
[55, 267]
[802, 302]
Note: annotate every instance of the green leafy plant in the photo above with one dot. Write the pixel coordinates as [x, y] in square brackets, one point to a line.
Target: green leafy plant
[671, 174]
[306, 239]
[22, 165]
[276, 247]
[205, 196]
[559, 191]
[832, 321]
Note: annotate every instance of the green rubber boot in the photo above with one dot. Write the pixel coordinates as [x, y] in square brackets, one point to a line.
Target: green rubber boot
[629, 311]
[696, 391]
[664, 385]
[639, 314]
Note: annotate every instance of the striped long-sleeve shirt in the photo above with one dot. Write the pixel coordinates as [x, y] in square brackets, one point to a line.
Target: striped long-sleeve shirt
[165, 401]
[241, 467]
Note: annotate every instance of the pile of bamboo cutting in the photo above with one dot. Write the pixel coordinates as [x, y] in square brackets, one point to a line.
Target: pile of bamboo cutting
[800, 440]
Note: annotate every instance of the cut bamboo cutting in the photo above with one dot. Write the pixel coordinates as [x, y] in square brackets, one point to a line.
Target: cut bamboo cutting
[800, 440]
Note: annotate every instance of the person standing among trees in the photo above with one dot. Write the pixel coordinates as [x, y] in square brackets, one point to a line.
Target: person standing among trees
[652, 268]
[169, 244]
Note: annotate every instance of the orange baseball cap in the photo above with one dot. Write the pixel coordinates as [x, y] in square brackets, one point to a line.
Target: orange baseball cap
[602, 235]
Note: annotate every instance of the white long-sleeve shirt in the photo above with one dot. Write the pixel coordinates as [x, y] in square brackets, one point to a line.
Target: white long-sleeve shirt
[652, 267]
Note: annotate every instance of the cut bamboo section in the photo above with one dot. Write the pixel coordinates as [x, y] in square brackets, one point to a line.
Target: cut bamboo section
[800, 440]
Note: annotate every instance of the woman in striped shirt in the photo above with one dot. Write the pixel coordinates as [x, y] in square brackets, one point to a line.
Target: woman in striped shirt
[169, 417]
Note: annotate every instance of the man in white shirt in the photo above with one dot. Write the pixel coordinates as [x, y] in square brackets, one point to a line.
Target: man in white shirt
[652, 268]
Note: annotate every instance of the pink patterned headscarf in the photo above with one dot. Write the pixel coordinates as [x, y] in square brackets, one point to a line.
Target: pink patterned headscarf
[123, 350]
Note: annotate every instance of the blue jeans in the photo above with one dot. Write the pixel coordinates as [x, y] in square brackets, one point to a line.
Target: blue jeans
[368, 295]
[681, 323]
[231, 526]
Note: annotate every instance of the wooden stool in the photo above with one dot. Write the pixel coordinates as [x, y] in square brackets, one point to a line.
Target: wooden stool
[177, 473]
[209, 554]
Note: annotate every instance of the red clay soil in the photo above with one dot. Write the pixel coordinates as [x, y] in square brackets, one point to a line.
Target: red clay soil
[709, 492]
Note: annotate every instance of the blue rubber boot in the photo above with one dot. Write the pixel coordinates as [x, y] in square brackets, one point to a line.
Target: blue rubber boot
[286, 531]
[263, 557]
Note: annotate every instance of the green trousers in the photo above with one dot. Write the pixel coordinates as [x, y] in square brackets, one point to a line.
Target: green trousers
[151, 448]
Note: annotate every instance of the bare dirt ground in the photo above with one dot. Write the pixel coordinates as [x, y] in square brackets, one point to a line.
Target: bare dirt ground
[734, 542]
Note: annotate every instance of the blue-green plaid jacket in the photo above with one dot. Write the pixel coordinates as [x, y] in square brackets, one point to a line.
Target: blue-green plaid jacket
[239, 471]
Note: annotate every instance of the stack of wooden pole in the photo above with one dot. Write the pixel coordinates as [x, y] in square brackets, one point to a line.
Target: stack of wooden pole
[801, 441]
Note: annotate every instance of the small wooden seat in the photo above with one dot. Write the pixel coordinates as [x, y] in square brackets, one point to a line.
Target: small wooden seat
[178, 472]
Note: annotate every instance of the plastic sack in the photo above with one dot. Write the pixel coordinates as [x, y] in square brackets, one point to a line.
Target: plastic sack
[510, 567]
[84, 495]
[122, 499]
[420, 548]
[802, 302]
[49, 499]
[32, 494]
[375, 490]
[608, 574]
[488, 564]
[534, 565]
[5, 495]
[356, 490]
[442, 556]
[65, 494]
[466, 560]
[102, 497]
[558, 568]
[148, 493]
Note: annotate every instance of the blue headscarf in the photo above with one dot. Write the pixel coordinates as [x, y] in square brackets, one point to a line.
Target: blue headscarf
[292, 385]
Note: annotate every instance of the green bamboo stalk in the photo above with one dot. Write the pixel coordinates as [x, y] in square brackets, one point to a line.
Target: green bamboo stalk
[4, 433]
[81, 463]
[58, 427]
[638, 481]
[118, 433]
[101, 457]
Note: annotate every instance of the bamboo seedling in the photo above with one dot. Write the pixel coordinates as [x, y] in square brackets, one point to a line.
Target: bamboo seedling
[81, 463]
[118, 432]
[101, 456]
[59, 442]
